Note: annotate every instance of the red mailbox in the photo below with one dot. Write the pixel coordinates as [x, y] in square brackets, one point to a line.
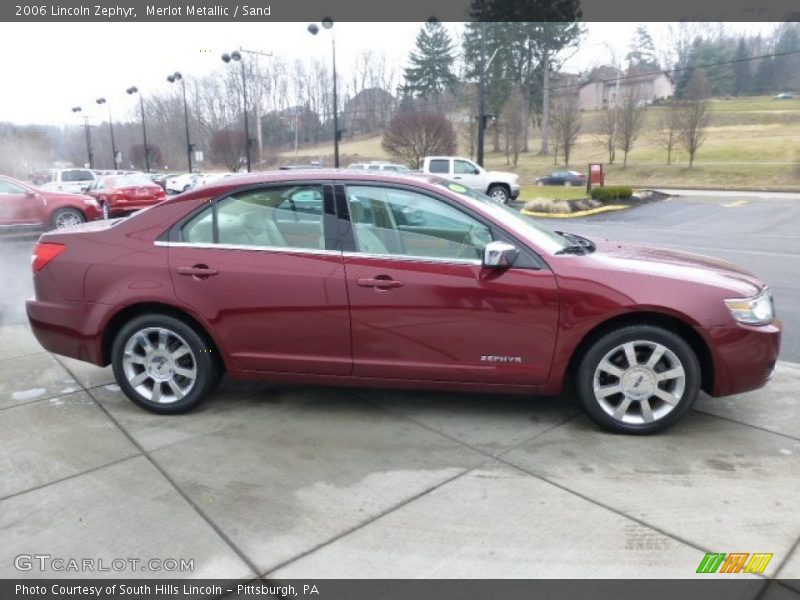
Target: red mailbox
[596, 176]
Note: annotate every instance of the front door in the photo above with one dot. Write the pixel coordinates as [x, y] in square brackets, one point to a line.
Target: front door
[257, 266]
[468, 174]
[19, 206]
[423, 308]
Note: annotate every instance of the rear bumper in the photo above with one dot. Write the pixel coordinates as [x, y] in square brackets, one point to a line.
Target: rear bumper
[744, 356]
[68, 328]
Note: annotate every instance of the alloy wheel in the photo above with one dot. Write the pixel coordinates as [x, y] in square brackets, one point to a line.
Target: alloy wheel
[68, 218]
[159, 365]
[639, 382]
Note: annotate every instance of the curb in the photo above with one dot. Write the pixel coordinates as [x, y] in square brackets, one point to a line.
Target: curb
[573, 215]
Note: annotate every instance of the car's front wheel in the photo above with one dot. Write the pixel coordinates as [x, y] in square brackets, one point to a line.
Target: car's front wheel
[67, 217]
[499, 193]
[164, 365]
[638, 379]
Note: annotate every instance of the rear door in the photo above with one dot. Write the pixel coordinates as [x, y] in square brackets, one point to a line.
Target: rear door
[261, 265]
[422, 306]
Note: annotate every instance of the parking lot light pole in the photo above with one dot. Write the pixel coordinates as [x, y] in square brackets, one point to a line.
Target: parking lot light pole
[77, 109]
[132, 90]
[236, 56]
[111, 126]
[176, 76]
[313, 29]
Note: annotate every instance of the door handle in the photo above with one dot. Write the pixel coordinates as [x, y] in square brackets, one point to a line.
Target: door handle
[199, 271]
[456, 177]
[381, 283]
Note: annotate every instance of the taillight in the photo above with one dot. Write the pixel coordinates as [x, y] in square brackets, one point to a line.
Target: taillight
[44, 253]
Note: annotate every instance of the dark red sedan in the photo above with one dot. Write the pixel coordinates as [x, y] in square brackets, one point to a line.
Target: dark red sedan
[25, 206]
[121, 194]
[323, 277]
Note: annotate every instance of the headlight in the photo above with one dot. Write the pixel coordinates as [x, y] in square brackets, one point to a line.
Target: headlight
[753, 311]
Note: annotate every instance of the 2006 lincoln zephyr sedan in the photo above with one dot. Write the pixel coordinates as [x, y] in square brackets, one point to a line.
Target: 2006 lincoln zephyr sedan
[337, 277]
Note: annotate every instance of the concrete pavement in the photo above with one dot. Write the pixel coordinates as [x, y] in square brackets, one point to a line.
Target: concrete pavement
[313, 482]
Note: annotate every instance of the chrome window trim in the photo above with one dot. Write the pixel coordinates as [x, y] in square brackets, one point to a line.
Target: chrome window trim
[276, 249]
[413, 258]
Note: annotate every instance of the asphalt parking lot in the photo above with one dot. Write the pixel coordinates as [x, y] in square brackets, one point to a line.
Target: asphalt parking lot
[299, 482]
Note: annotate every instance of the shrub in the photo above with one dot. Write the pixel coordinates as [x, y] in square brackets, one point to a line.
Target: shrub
[612, 192]
[545, 205]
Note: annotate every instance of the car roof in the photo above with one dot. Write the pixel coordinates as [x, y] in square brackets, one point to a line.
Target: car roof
[280, 176]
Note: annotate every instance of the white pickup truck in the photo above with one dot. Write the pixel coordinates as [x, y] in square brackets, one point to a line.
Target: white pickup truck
[73, 181]
[499, 185]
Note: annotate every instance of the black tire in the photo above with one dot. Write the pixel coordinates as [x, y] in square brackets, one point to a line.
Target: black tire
[57, 221]
[106, 213]
[499, 192]
[205, 362]
[641, 338]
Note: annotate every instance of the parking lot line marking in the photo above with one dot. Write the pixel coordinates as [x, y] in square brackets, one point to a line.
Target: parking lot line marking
[735, 204]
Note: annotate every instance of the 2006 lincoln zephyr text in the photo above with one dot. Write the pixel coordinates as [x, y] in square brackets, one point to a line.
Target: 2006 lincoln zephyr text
[337, 277]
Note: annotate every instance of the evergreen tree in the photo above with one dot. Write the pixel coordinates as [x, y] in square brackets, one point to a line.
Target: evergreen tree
[431, 70]
[787, 66]
[642, 52]
[765, 77]
[741, 69]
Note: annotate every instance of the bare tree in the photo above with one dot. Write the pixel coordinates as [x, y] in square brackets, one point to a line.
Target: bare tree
[694, 115]
[669, 131]
[515, 115]
[609, 129]
[227, 147]
[630, 118]
[566, 123]
[413, 135]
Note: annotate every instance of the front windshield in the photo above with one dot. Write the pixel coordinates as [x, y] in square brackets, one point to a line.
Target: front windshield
[544, 238]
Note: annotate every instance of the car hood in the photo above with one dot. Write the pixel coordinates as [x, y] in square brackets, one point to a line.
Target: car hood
[661, 262]
[503, 176]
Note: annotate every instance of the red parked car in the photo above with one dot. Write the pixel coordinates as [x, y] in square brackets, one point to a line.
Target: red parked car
[321, 277]
[23, 205]
[121, 194]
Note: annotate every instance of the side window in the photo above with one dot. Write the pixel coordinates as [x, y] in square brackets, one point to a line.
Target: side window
[374, 167]
[439, 166]
[81, 175]
[277, 217]
[401, 222]
[6, 187]
[462, 167]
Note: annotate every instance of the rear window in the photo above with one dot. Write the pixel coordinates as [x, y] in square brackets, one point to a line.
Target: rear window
[439, 166]
[130, 180]
[77, 175]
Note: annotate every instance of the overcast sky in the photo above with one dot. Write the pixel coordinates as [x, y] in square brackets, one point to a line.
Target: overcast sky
[50, 67]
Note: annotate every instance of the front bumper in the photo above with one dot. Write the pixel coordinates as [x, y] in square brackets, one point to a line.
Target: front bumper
[515, 191]
[744, 356]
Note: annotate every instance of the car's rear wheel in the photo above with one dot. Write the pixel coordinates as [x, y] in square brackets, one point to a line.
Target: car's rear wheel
[638, 379]
[499, 193]
[164, 365]
[67, 217]
[104, 210]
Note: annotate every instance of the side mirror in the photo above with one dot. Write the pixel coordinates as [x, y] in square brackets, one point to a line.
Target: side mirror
[499, 255]
[477, 171]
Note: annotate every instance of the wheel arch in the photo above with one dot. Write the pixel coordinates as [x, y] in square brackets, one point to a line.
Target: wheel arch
[658, 319]
[502, 184]
[124, 315]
